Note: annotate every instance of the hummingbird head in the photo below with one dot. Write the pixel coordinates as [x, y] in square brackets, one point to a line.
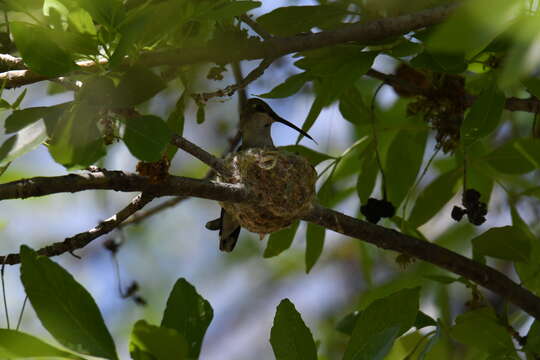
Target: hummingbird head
[257, 118]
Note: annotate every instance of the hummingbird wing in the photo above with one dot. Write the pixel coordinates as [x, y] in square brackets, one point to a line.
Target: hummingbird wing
[229, 229]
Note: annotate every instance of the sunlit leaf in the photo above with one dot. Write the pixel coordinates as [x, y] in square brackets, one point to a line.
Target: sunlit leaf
[17, 345]
[39, 50]
[154, 342]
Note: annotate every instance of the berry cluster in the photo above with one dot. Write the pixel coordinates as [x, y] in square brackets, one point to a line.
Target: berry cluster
[376, 209]
[475, 209]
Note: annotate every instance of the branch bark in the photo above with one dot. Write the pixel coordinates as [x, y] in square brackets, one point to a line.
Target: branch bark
[272, 48]
[382, 237]
[121, 181]
[392, 240]
[82, 239]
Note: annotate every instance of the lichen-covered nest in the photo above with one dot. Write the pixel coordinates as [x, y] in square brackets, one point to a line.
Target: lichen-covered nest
[284, 184]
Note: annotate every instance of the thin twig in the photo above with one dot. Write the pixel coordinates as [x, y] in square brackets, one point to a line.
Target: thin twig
[239, 77]
[201, 154]
[231, 89]
[4, 293]
[82, 239]
[376, 141]
[19, 320]
[255, 26]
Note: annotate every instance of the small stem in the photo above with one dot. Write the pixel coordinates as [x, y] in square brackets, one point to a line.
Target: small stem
[4, 292]
[376, 141]
[19, 321]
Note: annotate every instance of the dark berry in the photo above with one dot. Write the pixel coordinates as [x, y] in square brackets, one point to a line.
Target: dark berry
[111, 245]
[457, 213]
[470, 198]
[387, 209]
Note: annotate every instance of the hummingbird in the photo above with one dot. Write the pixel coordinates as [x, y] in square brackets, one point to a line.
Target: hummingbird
[255, 126]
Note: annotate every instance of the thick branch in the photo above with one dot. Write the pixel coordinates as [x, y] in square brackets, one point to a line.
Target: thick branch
[275, 47]
[377, 235]
[392, 240]
[531, 104]
[82, 239]
[121, 181]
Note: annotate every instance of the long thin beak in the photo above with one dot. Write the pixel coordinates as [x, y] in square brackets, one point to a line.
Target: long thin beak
[291, 125]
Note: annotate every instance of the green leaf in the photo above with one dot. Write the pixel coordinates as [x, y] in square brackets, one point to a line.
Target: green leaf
[381, 323]
[106, 12]
[137, 85]
[484, 115]
[280, 240]
[288, 88]
[64, 307]
[40, 51]
[367, 175]
[429, 345]
[201, 116]
[314, 244]
[480, 328]
[353, 107]
[434, 197]
[518, 156]
[314, 157]
[533, 340]
[533, 86]
[290, 338]
[507, 242]
[314, 111]
[19, 99]
[19, 119]
[291, 20]
[231, 9]
[403, 162]
[175, 122]
[452, 64]
[423, 320]
[159, 343]
[16, 345]
[146, 137]
[76, 139]
[528, 271]
[82, 22]
[24, 141]
[473, 26]
[188, 313]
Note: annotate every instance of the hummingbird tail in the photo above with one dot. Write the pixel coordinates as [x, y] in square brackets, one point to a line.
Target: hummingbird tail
[228, 232]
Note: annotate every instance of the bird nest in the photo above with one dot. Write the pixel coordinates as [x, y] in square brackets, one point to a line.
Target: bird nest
[283, 184]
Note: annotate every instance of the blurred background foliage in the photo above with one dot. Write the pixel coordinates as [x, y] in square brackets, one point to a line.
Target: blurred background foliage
[442, 114]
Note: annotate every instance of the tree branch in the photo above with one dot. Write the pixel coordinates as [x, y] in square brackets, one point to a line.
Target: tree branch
[259, 30]
[273, 48]
[531, 104]
[82, 239]
[377, 235]
[231, 89]
[121, 181]
[392, 240]
[201, 154]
